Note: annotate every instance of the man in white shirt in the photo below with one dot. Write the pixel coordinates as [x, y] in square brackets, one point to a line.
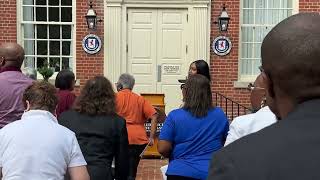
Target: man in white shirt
[37, 147]
[247, 124]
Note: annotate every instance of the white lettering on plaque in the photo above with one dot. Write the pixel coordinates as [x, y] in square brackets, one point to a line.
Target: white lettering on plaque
[171, 69]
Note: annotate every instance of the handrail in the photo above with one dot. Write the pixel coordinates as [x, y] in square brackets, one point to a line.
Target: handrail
[236, 108]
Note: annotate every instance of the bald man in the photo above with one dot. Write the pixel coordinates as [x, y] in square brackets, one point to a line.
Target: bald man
[288, 149]
[12, 83]
[250, 123]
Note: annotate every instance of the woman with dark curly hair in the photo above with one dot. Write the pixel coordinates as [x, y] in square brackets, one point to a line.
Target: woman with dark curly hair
[101, 133]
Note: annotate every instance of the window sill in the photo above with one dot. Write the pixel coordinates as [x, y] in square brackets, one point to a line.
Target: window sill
[52, 81]
[241, 84]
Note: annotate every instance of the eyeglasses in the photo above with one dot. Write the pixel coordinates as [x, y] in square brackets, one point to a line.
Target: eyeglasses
[252, 87]
[182, 86]
[261, 69]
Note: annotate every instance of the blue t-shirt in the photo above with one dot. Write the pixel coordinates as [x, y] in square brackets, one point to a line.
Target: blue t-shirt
[193, 141]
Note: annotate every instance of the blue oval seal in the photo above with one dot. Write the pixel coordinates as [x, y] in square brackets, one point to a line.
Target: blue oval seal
[91, 44]
[221, 45]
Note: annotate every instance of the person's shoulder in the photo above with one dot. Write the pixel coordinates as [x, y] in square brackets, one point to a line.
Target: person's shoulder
[67, 117]
[21, 76]
[65, 131]
[216, 113]
[256, 143]
[216, 110]
[69, 113]
[11, 126]
[119, 120]
[178, 111]
[27, 79]
[15, 75]
[110, 119]
[242, 120]
[265, 114]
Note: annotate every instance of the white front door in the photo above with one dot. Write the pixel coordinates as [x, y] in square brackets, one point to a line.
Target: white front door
[157, 52]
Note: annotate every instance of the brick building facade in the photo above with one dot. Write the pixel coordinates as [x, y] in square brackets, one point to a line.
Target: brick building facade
[225, 70]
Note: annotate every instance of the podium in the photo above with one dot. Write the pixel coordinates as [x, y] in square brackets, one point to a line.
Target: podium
[157, 101]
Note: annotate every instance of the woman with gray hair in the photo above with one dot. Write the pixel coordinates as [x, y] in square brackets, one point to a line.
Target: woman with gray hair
[136, 111]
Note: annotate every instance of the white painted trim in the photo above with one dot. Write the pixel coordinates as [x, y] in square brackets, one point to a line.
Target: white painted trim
[159, 1]
[20, 32]
[19, 18]
[74, 42]
[251, 78]
[111, 65]
[240, 41]
[112, 40]
[295, 5]
[209, 35]
[241, 84]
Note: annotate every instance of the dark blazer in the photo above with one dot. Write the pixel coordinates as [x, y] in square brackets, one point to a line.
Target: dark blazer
[287, 150]
[101, 138]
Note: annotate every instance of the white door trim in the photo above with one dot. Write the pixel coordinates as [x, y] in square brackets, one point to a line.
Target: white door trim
[115, 30]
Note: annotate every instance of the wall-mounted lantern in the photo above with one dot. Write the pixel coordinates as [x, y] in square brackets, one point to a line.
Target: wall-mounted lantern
[223, 20]
[91, 17]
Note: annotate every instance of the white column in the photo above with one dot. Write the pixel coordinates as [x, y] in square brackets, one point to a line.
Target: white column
[201, 33]
[112, 39]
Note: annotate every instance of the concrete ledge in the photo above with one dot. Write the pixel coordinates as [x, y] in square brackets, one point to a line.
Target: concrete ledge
[240, 84]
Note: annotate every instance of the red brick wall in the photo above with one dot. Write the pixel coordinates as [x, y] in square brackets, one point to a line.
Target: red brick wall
[8, 21]
[309, 6]
[224, 69]
[88, 66]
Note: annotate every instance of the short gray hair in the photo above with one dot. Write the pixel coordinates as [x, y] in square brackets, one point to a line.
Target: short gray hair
[127, 81]
[30, 72]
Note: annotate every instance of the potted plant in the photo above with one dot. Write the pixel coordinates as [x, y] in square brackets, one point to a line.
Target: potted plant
[46, 72]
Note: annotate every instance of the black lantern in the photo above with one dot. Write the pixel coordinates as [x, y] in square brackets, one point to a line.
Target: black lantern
[91, 17]
[223, 20]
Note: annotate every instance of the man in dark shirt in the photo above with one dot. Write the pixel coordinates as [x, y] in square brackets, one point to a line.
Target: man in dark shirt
[288, 149]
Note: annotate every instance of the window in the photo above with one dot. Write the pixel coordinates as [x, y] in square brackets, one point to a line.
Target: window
[257, 19]
[47, 33]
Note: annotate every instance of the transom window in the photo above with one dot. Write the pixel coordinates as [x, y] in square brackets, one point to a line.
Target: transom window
[258, 18]
[47, 33]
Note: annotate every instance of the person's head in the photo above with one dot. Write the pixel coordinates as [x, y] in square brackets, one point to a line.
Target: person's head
[11, 54]
[65, 80]
[291, 62]
[40, 96]
[258, 94]
[96, 98]
[197, 95]
[200, 67]
[30, 72]
[125, 81]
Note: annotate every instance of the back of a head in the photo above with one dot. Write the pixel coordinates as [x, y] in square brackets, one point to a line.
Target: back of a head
[41, 96]
[13, 54]
[65, 80]
[197, 95]
[96, 98]
[291, 56]
[127, 81]
[202, 68]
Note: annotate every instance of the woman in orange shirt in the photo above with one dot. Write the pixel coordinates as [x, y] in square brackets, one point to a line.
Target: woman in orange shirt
[136, 111]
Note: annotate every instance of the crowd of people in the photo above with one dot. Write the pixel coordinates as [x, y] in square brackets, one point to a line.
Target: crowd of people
[46, 132]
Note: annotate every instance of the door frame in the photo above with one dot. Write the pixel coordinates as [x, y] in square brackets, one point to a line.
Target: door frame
[115, 30]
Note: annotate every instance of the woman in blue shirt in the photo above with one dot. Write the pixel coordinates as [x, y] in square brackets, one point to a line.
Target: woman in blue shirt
[191, 134]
